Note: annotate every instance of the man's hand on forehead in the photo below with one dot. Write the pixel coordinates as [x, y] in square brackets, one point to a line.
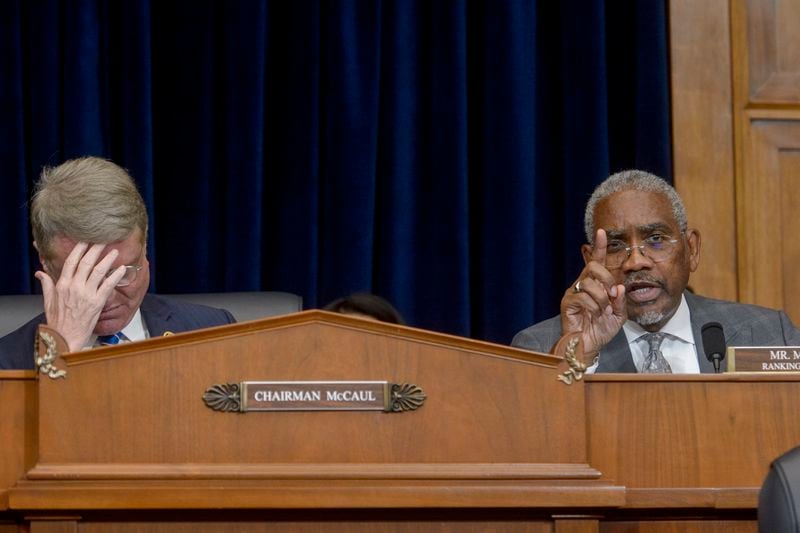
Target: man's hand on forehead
[74, 302]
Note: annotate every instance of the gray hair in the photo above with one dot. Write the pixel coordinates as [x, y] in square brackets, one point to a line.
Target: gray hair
[636, 180]
[87, 199]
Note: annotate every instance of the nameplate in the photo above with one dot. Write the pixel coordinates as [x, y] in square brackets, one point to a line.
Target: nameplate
[763, 358]
[314, 396]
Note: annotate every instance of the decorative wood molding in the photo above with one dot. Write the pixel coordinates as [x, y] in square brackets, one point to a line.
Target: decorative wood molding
[516, 471]
[320, 494]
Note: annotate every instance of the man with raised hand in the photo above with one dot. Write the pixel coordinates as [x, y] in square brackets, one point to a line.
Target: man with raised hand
[630, 307]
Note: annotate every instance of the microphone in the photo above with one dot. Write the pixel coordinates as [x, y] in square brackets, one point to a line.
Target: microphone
[713, 343]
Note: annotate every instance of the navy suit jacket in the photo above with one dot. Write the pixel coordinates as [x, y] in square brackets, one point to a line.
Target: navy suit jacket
[743, 324]
[160, 315]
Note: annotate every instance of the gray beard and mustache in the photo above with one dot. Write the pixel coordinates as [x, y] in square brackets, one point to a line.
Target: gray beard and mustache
[648, 318]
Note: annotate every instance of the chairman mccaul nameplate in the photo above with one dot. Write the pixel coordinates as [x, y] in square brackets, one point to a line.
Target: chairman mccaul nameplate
[314, 396]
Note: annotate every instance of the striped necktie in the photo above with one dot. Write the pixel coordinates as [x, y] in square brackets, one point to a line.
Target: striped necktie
[110, 340]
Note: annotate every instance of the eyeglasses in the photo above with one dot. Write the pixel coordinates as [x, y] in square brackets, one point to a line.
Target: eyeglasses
[130, 275]
[656, 247]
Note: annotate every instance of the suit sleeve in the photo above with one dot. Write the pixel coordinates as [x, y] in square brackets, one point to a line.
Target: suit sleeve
[527, 340]
[791, 335]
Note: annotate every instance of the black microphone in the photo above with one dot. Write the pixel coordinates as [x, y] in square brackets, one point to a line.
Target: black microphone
[713, 343]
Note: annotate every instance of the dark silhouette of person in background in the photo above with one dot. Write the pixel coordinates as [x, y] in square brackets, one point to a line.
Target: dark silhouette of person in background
[366, 305]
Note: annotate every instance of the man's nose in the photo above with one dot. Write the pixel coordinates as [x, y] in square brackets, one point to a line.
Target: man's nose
[637, 260]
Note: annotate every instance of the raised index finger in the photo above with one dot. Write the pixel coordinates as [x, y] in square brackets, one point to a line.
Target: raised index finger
[599, 248]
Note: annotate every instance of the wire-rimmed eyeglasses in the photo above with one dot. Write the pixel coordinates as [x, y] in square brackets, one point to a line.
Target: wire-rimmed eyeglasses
[131, 272]
[657, 247]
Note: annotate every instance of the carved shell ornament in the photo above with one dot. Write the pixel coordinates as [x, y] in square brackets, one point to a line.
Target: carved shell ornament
[224, 397]
[406, 397]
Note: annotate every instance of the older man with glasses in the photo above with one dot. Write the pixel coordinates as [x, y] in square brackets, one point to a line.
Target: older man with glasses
[90, 229]
[630, 309]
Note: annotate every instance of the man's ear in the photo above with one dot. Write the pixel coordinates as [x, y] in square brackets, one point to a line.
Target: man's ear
[42, 260]
[693, 245]
[586, 252]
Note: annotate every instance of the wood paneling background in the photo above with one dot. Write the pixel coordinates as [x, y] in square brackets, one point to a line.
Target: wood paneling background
[736, 138]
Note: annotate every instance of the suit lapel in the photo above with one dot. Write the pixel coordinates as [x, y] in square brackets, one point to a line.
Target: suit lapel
[701, 314]
[616, 356]
[156, 316]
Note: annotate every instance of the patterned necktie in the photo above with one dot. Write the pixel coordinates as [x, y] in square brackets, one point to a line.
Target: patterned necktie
[654, 361]
[110, 340]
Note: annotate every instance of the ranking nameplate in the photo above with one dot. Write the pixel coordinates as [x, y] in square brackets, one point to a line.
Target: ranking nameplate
[314, 396]
[763, 358]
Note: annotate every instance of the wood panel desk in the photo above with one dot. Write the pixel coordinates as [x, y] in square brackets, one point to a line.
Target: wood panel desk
[125, 442]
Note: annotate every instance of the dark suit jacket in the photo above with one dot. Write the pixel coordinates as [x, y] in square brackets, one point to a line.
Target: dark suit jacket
[744, 325]
[160, 315]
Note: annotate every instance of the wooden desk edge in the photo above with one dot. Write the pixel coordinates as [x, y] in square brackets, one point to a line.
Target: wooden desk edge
[693, 498]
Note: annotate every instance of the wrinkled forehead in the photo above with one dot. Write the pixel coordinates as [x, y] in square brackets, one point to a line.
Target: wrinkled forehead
[635, 212]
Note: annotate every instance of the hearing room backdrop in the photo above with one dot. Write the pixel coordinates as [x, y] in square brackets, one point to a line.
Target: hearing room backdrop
[437, 153]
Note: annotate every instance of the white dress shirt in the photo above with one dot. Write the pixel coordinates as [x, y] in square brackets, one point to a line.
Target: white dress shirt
[136, 330]
[678, 346]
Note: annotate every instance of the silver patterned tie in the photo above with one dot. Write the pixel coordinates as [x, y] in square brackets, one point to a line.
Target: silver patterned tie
[654, 361]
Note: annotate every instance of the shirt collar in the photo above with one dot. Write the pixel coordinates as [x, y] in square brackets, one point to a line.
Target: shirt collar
[679, 326]
[134, 331]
